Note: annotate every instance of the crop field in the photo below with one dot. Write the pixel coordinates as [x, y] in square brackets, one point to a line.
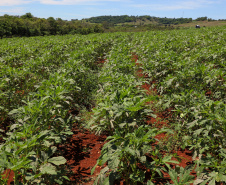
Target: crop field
[114, 108]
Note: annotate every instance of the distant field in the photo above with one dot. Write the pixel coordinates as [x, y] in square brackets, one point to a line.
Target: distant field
[203, 23]
[192, 24]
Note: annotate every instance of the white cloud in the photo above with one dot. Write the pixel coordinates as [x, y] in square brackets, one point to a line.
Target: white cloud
[14, 2]
[54, 2]
[176, 5]
[14, 11]
[71, 2]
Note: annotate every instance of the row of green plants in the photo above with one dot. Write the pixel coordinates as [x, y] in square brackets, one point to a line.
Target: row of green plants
[189, 70]
[42, 80]
[121, 111]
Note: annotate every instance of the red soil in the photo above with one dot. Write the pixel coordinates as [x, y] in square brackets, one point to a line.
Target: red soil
[100, 62]
[10, 175]
[20, 92]
[82, 151]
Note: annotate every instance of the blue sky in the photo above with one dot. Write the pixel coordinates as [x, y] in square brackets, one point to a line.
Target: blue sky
[78, 9]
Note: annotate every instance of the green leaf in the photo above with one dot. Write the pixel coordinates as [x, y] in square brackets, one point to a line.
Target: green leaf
[139, 177]
[65, 177]
[114, 163]
[57, 160]
[58, 181]
[48, 169]
[93, 169]
[197, 132]
[150, 183]
[14, 111]
[212, 182]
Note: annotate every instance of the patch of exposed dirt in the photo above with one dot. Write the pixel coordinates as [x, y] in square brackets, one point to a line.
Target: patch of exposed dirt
[82, 151]
[10, 175]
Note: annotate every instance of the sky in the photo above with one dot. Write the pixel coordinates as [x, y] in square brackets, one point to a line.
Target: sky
[79, 9]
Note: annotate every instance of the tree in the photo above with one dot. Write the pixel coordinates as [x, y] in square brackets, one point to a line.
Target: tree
[2, 30]
[201, 19]
[27, 16]
[53, 25]
[106, 25]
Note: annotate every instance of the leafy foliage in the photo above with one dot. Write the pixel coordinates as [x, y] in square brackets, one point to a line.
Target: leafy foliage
[45, 78]
[125, 155]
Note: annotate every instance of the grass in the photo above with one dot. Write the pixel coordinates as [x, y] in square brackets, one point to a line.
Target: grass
[203, 23]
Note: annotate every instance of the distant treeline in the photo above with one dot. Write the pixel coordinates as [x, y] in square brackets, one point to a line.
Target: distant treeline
[28, 25]
[127, 19]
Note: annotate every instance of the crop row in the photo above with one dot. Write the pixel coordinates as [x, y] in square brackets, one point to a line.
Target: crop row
[42, 79]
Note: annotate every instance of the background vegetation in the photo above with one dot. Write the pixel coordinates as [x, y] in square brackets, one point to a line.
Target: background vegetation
[28, 25]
